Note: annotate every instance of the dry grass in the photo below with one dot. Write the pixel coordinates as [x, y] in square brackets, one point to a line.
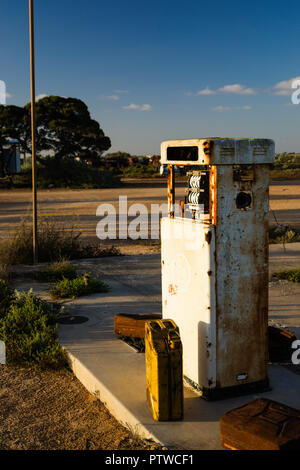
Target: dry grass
[56, 241]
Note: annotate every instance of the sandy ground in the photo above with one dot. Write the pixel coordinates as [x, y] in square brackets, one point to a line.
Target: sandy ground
[80, 206]
[53, 411]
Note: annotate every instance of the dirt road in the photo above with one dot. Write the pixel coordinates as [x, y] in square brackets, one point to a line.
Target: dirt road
[81, 205]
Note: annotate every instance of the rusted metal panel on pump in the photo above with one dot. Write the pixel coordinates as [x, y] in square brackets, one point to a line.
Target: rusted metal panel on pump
[213, 195]
[221, 151]
[242, 278]
[171, 191]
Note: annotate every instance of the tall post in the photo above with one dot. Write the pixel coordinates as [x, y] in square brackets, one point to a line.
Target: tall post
[32, 86]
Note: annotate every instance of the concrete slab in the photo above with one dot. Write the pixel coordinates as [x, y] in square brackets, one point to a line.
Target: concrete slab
[113, 371]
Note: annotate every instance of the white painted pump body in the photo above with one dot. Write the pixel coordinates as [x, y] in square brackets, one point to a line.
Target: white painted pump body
[189, 294]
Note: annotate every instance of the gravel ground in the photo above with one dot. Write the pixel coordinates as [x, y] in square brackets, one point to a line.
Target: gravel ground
[50, 410]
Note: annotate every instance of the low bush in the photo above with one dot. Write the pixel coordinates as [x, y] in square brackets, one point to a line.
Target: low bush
[283, 234]
[138, 170]
[95, 250]
[286, 174]
[292, 275]
[28, 328]
[5, 297]
[286, 166]
[56, 272]
[82, 285]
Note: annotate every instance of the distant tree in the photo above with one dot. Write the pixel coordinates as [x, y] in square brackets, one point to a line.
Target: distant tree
[64, 126]
[120, 158]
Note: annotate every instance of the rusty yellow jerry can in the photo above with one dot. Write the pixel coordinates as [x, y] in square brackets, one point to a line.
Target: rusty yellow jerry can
[163, 352]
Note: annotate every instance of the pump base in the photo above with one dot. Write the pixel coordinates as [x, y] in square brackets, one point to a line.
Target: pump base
[234, 391]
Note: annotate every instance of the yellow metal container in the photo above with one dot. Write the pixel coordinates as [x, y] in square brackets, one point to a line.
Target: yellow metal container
[163, 351]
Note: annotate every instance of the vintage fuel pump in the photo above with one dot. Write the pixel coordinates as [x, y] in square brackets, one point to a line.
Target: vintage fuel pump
[215, 262]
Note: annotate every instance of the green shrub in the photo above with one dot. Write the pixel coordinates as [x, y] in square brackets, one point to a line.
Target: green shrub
[56, 272]
[95, 250]
[289, 275]
[138, 170]
[286, 174]
[283, 234]
[286, 166]
[5, 297]
[29, 331]
[82, 285]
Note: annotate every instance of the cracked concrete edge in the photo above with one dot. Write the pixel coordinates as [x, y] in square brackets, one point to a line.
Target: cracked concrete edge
[114, 406]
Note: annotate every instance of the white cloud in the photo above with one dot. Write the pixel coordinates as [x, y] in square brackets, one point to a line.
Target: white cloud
[40, 97]
[237, 89]
[8, 95]
[284, 88]
[138, 107]
[221, 109]
[206, 91]
[112, 97]
[132, 106]
[146, 107]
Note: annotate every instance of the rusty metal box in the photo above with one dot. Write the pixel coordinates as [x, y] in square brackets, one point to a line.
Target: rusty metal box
[261, 424]
[132, 325]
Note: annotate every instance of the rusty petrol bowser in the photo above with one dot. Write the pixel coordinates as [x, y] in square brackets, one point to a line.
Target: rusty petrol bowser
[215, 262]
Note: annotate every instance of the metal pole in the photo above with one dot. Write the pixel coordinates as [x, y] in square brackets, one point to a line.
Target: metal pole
[32, 85]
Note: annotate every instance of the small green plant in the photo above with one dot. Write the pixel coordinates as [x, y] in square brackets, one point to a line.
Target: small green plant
[5, 297]
[56, 272]
[28, 328]
[138, 170]
[292, 275]
[82, 285]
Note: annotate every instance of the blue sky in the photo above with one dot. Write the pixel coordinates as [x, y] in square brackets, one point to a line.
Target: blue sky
[152, 71]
